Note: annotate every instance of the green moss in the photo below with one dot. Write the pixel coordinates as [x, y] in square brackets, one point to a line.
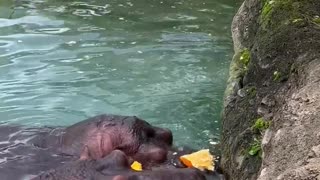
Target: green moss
[316, 19]
[238, 69]
[276, 13]
[255, 148]
[300, 22]
[260, 124]
[234, 75]
[281, 77]
[237, 66]
[245, 58]
[277, 76]
[297, 20]
[266, 10]
[252, 91]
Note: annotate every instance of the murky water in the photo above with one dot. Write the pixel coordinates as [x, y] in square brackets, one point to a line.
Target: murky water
[164, 61]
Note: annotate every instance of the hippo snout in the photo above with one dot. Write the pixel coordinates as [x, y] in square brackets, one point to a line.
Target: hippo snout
[165, 135]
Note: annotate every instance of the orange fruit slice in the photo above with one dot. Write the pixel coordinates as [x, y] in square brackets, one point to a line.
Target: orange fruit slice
[201, 160]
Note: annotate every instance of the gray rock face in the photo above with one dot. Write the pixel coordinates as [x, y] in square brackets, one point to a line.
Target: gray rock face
[281, 82]
[294, 149]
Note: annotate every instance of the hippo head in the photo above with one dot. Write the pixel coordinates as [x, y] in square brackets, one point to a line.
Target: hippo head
[104, 133]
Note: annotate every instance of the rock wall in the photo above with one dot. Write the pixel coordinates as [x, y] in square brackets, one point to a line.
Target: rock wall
[271, 118]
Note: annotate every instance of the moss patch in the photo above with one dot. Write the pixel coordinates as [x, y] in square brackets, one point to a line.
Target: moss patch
[277, 76]
[238, 69]
[276, 13]
[266, 10]
[255, 148]
[316, 19]
[234, 76]
[260, 125]
[245, 58]
[243, 61]
[299, 22]
[252, 91]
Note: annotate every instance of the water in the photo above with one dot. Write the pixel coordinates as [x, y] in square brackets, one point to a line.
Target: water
[164, 61]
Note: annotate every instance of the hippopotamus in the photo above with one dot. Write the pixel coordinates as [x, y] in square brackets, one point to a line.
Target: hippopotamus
[114, 166]
[104, 133]
[30, 151]
[33, 148]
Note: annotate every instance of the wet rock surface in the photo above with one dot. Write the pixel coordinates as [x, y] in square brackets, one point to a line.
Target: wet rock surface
[283, 40]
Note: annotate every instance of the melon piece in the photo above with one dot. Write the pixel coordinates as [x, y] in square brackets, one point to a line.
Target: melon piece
[202, 160]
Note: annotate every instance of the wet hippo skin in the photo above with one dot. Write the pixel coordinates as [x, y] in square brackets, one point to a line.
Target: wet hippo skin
[104, 133]
[26, 152]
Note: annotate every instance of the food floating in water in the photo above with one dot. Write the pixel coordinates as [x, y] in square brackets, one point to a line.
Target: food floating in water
[136, 166]
[202, 160]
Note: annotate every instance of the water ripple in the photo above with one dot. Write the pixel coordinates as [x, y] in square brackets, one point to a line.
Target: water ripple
[167, 62]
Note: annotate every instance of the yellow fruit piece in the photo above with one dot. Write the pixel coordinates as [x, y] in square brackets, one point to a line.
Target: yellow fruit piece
[201, 160]
[136, 166]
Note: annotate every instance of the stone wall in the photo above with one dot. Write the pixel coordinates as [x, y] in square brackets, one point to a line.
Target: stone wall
[271, 118]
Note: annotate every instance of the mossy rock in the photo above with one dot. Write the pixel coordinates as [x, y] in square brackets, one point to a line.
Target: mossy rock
[260, 124]
[316, 19]
[278, 13]
[255, 148]
[252, 91]
[245, 58]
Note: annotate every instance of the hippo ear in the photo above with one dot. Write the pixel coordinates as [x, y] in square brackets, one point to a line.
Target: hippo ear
[85, 154]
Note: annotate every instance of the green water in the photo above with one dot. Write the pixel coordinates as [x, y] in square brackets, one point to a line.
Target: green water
[164, 61]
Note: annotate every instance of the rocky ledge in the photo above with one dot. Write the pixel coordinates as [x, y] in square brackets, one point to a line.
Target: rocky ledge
[271, 118]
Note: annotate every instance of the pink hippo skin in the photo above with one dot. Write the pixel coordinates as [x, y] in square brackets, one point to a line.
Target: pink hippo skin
[91, 150]
[102, 134]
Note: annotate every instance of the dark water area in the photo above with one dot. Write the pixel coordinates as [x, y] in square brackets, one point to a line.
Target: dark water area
[164, 61]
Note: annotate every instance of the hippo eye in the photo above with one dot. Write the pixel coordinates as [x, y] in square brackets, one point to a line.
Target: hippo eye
[147, 134]
[150, 133]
